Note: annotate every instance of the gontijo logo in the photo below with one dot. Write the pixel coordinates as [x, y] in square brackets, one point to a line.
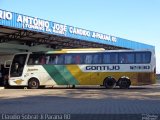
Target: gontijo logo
[106, 68]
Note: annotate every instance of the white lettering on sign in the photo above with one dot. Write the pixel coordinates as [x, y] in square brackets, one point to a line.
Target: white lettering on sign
[87, 33]
[113, 39]
[5, 15]
[59, 28]
[102, 68]
[33, 27]
[46, 26]
[104, 37]
[33, 23]
[101, 36]
[79, 31]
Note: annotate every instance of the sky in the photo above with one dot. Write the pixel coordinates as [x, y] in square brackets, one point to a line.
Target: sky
[136, 20]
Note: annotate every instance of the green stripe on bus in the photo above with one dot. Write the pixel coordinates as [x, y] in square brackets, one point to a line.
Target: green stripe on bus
[69, 77]
[56, 72]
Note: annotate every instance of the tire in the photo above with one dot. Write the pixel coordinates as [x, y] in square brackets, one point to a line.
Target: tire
[124, 83]
[33, 83]
[109, 83]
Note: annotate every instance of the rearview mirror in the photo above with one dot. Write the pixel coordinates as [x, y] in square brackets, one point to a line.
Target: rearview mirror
[7, 63]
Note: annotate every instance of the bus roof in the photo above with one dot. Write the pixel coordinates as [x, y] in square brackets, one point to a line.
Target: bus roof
[77, 50]
[91, 50]
[84, 50]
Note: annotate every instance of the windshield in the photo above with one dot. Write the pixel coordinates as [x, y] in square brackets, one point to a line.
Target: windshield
[18, 65]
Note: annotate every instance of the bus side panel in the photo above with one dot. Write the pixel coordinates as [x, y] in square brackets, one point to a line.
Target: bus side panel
[56, 73]
[97, 78]
[61, 75]
[30, 71]
[84, 78]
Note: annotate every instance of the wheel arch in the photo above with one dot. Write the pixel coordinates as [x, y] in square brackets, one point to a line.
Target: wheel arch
[121, 81]
[33, 78]
[123, 77]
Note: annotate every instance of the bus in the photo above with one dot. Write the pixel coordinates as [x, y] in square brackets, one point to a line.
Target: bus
[74, 67]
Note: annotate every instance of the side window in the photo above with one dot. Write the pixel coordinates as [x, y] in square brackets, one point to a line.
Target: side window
[56, 59]
[126, 58]
[30, 60]
[106, 58]
[114, 58]
[34, 59]
[60, 59]
[147, 57]
[123, 58]
[96, 58]
[143, 57]
[42, 59]
[52, 59]
[78, 59]
[68, 59]
[37, 59]
[47, 59]
[87, 58]
[138, 58]
[110, 58]
[131, 57]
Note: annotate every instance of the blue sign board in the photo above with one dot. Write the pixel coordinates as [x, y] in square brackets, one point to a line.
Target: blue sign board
[16, 20]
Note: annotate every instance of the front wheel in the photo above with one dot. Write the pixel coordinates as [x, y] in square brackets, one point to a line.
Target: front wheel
[33, 83]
